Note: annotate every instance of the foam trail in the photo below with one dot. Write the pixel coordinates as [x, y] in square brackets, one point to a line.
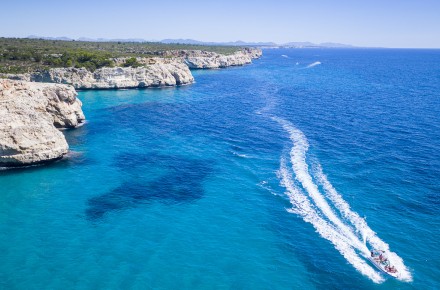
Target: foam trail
[361, 225]
[300, 168]
[314, 64]
[345, 234]
[303, 207]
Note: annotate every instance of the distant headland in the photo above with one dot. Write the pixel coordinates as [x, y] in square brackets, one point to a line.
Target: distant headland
[304, 44]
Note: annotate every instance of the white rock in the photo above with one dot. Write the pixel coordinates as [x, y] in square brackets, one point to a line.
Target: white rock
[208, 60]
[171, 70]
[154, 75]
[29, 113]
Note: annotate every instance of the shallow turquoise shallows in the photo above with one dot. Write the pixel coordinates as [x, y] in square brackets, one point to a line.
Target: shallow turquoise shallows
[277, 175]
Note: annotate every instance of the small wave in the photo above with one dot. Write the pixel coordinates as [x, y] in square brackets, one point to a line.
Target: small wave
[264, 184]
[82, 123]
[314, 64]
[76, 127]
[283, 55]
[241, 155]
[73, 154]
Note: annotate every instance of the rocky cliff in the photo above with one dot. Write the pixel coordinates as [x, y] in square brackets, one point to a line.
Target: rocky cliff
[158, 74]
[207, 60]
[30, 114]
[170, 70]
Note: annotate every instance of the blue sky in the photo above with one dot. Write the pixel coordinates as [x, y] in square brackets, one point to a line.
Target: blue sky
[384, 23]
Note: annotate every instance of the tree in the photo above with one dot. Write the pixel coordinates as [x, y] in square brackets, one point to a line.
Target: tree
[132, 61]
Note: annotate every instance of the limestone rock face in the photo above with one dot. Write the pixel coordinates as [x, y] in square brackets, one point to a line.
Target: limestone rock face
[170, 69]
[64, 106]
[253, 52]
[158, 74]
[208, 60]
[29, 113]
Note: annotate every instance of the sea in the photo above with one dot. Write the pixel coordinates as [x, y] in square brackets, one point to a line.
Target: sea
[282, 174]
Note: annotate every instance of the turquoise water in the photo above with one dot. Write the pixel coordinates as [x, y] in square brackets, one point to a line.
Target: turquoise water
[240, 181]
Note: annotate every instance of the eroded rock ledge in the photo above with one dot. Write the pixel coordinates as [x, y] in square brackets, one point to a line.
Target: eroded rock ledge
[208, 60]
[158, 74]
[30, 114]
[170, 70]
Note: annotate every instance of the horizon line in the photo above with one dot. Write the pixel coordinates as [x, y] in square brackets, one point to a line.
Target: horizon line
[268, 44]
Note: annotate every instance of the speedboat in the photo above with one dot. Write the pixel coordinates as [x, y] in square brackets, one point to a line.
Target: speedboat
[381, 262]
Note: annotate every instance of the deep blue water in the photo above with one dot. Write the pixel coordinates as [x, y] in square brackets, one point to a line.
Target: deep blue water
[198, 187]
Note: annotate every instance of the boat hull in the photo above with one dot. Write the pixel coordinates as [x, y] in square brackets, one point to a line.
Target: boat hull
[382, 268]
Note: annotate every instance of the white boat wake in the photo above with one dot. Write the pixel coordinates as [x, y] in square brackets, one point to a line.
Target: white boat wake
[329, 213]
[313, 64]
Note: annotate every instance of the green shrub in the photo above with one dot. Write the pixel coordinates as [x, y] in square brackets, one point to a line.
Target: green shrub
[23, 55]
[132, 61]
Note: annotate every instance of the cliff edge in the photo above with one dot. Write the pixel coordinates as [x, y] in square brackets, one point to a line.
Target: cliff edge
[161, 73]
[208, 60]
[172, 69]
[30, 114]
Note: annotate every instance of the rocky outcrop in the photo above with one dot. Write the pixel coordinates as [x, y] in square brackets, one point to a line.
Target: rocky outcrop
[253, 52]
[158, 74]
[208, 60]
[170, 70]
[29, 116]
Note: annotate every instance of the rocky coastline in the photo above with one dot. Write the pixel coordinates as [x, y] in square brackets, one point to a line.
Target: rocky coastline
[170, 70]
[31, 115]
[212, 60]
[159, 74]
[35, 106]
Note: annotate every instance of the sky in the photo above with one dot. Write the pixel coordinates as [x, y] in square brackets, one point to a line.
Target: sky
[371, 23]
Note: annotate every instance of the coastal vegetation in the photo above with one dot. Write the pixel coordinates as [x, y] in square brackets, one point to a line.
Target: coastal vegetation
[21, 55]
[131, 62]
